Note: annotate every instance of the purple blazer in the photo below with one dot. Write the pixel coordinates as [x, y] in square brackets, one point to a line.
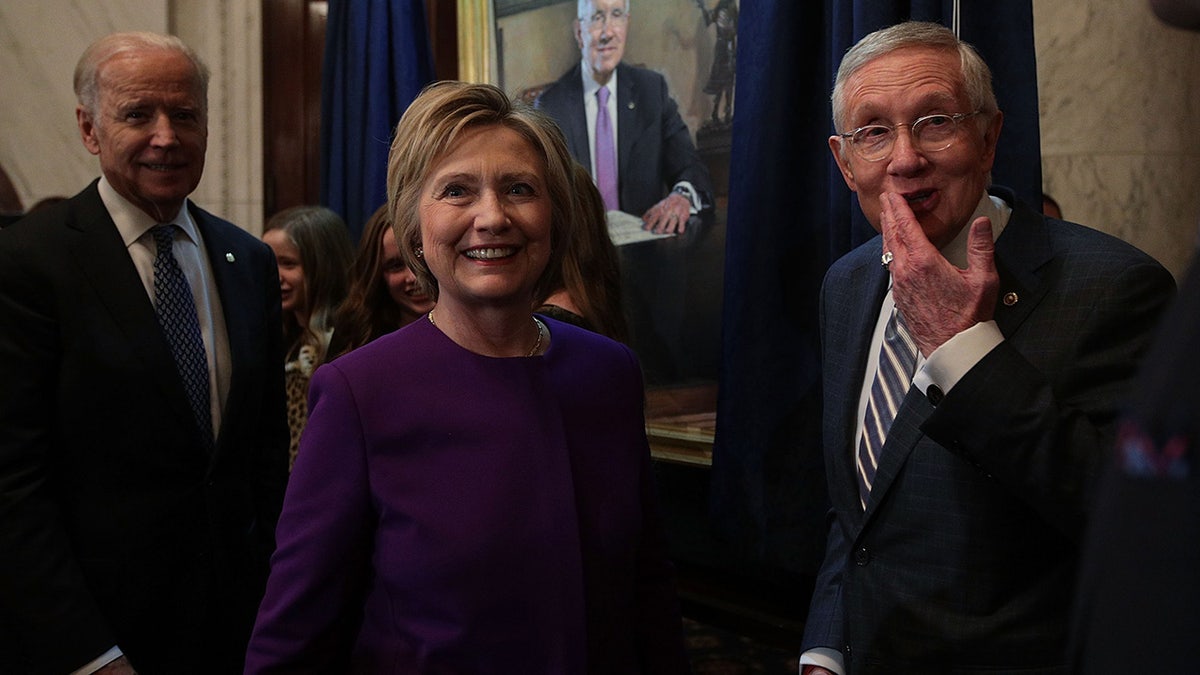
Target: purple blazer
[456, 513]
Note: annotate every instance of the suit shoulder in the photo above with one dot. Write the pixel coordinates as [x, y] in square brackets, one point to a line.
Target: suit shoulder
[557, 91]
[1095, 248]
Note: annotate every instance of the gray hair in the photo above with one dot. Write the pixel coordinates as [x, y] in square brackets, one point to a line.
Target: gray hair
[976, 76]
[581, 8]
[87, 71]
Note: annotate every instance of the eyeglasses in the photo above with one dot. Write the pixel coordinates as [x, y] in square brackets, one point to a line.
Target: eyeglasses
[931, 133]
[613, 16]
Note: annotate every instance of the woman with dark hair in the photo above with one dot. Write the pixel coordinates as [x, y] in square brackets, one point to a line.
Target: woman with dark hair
[312, 250]
[384, 294]
[588, 289]
[474, 491]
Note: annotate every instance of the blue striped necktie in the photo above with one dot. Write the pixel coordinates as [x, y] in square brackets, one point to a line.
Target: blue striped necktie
[176, 312]
[897, 360]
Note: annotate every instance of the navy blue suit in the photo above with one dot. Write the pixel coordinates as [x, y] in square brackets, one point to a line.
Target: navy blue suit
[118, 526]
[966, 555]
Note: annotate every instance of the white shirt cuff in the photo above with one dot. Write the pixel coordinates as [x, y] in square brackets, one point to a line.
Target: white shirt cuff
[99, 662]
[950, 362]
[829, 659]
[691, 195]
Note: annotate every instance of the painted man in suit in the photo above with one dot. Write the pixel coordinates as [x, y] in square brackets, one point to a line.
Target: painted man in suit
[955, 529]
[137, 512]
[658, 174]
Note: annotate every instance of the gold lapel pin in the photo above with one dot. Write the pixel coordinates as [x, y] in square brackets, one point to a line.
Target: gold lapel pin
[1011, 298]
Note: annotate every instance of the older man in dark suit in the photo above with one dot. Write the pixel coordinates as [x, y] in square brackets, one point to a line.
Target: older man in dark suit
[974, 358]
[143, 439]
[621, 122]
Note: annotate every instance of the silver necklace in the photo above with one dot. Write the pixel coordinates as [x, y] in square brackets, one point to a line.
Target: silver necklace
[541, 331]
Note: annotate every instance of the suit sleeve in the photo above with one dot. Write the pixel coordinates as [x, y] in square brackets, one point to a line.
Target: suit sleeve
[307, 619]
[43, 597]
[1045, 438]
[681, 161]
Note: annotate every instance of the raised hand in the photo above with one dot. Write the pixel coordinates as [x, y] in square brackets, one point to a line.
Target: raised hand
[937, 299]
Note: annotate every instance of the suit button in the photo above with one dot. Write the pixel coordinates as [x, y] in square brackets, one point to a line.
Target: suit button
[934, 394]
[862, 556]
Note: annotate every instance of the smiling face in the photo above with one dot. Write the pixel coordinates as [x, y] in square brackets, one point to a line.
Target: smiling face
[291, 274]
[942, 188]
[602, 43]
[401, 282]
[485, 217]
[149, 129]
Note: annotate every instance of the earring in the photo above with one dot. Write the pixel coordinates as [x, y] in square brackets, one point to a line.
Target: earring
[420, 252]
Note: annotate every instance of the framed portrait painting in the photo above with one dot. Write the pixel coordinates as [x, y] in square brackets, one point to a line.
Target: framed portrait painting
[671, 286]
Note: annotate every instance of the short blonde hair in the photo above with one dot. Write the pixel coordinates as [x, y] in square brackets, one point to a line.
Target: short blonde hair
[429, 129]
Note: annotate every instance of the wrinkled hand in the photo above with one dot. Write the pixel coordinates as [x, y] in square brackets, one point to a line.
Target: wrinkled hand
[937, 299]
[670, 216]
[118, 666]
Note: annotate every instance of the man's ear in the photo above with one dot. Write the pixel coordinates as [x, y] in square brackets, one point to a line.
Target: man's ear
[578, 34]
[87, 130]
[835, 146]
[991, 136]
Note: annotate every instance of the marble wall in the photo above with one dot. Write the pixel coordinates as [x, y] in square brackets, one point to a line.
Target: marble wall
[1119, 92]
[40, 41]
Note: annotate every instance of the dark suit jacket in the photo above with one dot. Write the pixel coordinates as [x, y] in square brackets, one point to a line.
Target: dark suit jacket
[1138, 604]
[655, 147]
[965, 556]
[117, 525]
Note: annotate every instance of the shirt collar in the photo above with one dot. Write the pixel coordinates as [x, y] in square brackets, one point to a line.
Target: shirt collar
[992, 207]
[590, 86]
[132, 223]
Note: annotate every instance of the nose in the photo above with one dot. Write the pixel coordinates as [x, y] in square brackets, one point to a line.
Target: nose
[490, 214]
[163, 131]
[905, 157]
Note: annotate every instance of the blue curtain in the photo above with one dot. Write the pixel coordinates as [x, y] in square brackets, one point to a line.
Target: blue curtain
[790, 215]
[377, 58]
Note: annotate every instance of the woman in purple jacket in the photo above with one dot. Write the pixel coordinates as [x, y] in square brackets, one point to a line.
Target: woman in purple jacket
[473, 492]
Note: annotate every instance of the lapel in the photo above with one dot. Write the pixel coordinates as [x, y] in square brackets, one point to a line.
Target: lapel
[571, 115]
[233, 288]
[96, 247]
[1021, 250]
[629, 123]
[849, 341]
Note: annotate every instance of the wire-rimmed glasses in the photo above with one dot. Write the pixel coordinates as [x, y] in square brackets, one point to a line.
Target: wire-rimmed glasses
[600, 18]
[930, 133]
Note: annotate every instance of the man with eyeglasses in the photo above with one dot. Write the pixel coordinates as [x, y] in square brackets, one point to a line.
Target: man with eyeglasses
[975, 355]
[621, 122]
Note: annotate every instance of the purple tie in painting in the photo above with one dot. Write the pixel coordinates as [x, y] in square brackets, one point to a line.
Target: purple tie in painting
[606, 154]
